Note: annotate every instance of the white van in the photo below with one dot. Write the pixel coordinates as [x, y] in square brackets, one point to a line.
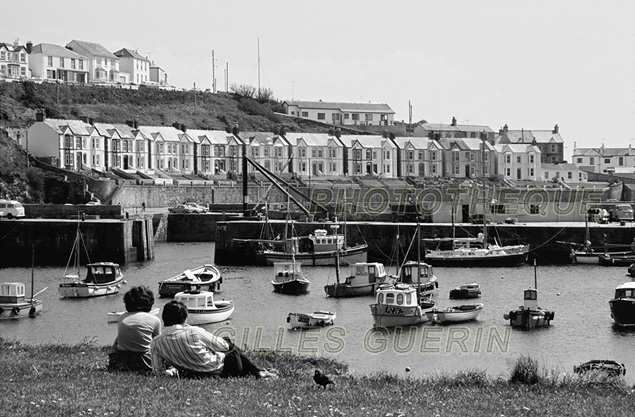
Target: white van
[11, 209]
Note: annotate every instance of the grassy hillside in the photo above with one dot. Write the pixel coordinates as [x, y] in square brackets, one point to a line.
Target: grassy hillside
[149, 106]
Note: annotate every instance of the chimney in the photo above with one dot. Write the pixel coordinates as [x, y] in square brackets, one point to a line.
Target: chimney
[338, 133]
[16, 42]
[39, 116]
[136, 124]
[453, 121]
[505, 128]
[282, 131]
[235, 130]
[555, 129]
[176, 125]
[183, 128]
[29, 47]
[130, 123]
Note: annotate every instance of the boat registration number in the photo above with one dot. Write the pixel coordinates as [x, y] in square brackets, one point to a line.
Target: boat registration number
[394, 310]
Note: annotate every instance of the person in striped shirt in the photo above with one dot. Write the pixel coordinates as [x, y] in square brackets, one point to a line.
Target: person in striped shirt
[191, 351]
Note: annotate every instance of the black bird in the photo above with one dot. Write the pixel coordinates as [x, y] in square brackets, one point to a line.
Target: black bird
[322, 379]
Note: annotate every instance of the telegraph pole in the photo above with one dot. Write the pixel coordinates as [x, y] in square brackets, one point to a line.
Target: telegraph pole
[213, 73]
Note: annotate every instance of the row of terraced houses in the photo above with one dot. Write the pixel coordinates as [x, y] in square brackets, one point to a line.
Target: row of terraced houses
[170, 150]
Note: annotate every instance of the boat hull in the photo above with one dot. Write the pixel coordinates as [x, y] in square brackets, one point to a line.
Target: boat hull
[221, 312]
[179, 283]
[316, 319]
[586, 258]
[87, 290]
[607, 367]
[392, 316]
[617, 260]
[530, 319]
[623, 311]
[12, 311]
[495, 260]
[113, 316]
[347, 256]
[345, 290]
[463, 294]
[455, 315]
[291, 287]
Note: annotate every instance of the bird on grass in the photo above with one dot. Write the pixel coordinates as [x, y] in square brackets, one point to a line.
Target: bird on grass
[322, 379]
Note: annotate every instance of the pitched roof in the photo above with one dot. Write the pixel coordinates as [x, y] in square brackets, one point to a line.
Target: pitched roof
[168, 133]
[442, 127]
[94, 48]
[219, 137]
[311, 139]
[55, 50]
[516, 147]
[77, 126]
[105, 129]
[130, 53]
[604, 152]
[343, 107]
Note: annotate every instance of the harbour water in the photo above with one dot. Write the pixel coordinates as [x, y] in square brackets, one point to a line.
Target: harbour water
[582, 329]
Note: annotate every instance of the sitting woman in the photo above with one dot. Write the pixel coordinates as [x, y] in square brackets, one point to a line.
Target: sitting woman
[135, 331]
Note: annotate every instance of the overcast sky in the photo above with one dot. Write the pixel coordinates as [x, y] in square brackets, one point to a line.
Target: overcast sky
[527, 64]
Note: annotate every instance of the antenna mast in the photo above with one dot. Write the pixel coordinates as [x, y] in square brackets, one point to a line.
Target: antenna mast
[259, 67]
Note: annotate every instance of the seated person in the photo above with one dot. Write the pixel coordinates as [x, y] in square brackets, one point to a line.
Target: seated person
[135, 331]
[194, 352]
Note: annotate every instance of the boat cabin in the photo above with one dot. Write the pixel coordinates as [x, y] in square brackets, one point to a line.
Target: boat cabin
[196, 299]
[409, 272]
[323, 242]
[530, 299]
[102, 272]
[400, 295]
[12, 292]
[626, 290]
[287, 271]
[365, 273]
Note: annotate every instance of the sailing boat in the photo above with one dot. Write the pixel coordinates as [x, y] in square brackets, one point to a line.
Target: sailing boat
[288, 278]
[586, 255]
[402, 304]
[102, 278]
[474, 251]
[13, 301]
[529, 315]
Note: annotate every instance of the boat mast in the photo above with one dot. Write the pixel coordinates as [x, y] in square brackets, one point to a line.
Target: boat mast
[337, 254]
[418, 234]
[483, 136]
[32, 268]
[535, 276]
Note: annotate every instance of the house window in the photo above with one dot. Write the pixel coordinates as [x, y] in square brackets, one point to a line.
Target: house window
[278, 152]
[620, 161]
[305, 114]
[3, 55]
[369, 154]
[591, 161]
[578, 160]
[81, 64]
[267, 151]
[355, 116]
[531, 159]
[433, 156]
[321, 116]
[607, 160]
[508, 159]
[534, 209]
[72, 63]
[410, 155]
[472, 156]
[387, 155]
[346, 116]
[61, 62]
[50, 61]
[254, 152]
[531, 172]
[302, 152]
[508, 172]
[332, 153]
[22, 57]
[499, 209]
[518, 159]
[369, 117]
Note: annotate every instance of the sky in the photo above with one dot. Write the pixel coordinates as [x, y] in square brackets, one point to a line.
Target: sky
[527, 64]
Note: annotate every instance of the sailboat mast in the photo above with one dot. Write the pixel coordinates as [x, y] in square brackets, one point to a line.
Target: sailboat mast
[483, 136]
[535, 276]
[418, 234]
[32, 268]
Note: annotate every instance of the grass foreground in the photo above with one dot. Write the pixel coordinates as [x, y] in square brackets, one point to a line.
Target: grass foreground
[72, 380]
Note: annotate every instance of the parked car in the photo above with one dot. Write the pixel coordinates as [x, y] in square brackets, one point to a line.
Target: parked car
[180, 208]
[11, 209]
[197, 208]
[93, 203]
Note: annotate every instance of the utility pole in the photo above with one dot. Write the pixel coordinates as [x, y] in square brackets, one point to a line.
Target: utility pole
[259, 67]
[213, 73]
[227, 77]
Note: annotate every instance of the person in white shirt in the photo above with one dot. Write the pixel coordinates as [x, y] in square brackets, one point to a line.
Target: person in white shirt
[191, 351]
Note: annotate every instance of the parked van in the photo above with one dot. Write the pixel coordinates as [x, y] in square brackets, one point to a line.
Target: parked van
[622, 212]
[11, 209]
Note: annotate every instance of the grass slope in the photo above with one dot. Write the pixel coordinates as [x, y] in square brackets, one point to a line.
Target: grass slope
[56, 380]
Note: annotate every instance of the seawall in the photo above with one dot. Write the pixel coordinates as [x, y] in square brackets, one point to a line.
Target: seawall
[118, 241]
[545, 239]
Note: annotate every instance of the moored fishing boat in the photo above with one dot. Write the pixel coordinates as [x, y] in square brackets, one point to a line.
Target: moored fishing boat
[202, 308]
[363, 279]
[315, 319]
[397, 305]
[456, 314]
[206, 278]
[14, 304]
[529, 315]
[102, 278]
[288, 278]
[623, 305]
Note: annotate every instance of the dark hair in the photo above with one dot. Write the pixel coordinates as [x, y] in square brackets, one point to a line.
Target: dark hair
[139, 299]
[174, 312]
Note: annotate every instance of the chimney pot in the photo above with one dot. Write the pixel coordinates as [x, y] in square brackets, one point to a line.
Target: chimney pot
[453, 121]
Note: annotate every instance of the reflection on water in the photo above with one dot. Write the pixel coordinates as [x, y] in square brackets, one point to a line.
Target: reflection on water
[579, 294]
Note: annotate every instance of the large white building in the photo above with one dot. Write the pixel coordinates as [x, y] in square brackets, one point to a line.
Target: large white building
[341, 113]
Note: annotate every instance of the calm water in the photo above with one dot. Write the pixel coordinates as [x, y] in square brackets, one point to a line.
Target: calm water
[582, 328]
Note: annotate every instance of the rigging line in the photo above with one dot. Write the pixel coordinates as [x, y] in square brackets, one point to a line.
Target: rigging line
[548, 240]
